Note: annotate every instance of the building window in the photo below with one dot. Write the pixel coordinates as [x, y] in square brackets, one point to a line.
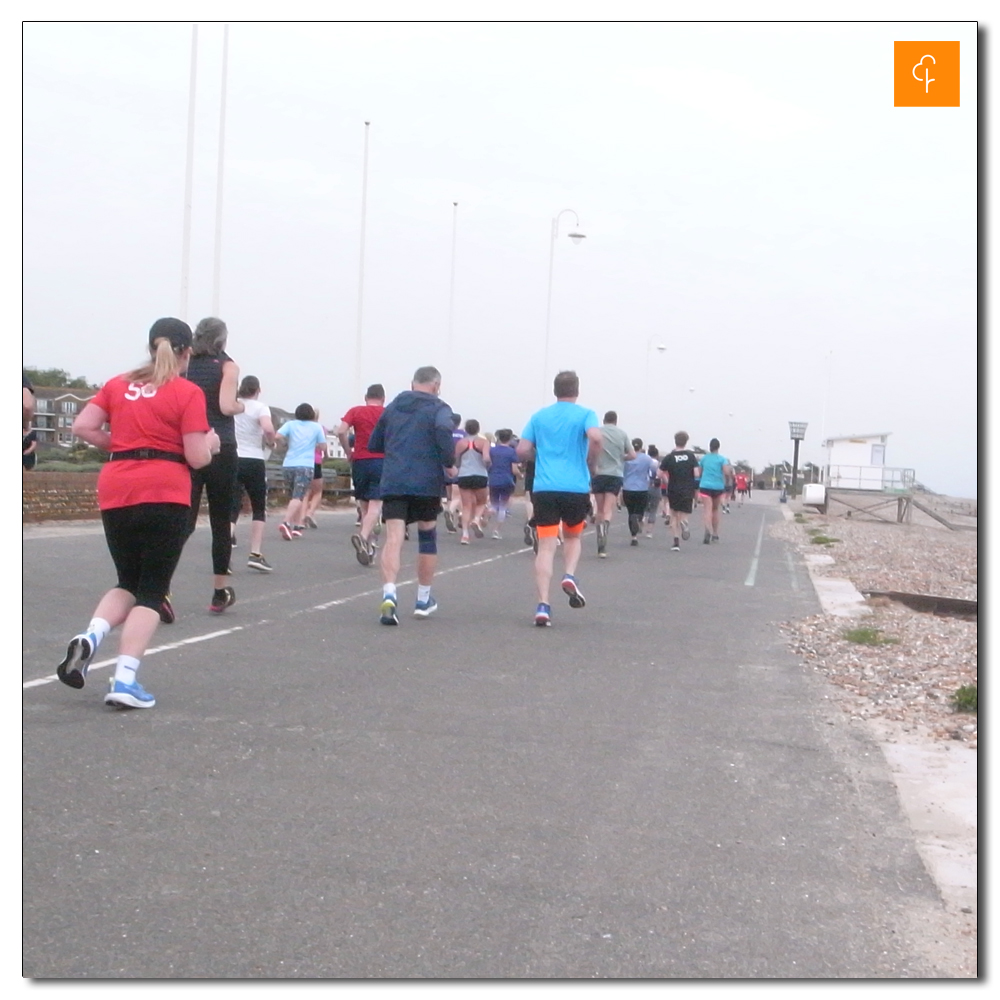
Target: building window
[69, 406]
[43, 405]
[878, 454]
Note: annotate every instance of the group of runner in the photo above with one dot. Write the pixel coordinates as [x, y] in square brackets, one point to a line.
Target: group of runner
[184, 423]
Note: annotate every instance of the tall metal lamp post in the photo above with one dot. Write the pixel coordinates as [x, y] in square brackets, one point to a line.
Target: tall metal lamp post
[576, 237]
[797, 430]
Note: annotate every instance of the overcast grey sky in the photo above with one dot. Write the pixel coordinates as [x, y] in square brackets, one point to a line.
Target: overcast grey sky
[752, 201]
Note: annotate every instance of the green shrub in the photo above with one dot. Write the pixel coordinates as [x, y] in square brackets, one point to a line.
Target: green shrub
[966, 699]
[868, 636]
[823, 540]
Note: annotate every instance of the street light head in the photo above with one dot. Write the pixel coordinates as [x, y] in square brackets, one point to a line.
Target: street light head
[661, 348]
[797, 429]
[577, 237]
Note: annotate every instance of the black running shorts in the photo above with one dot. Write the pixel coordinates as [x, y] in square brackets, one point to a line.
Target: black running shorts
[410, 509]
[683, 503]
[551, 507]
[606, 484]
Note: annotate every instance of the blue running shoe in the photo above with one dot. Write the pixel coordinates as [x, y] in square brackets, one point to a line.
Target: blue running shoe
[576, 598]
[543, 616]
[128, 695]
[425, 609]
[387, 611]
[79, 653]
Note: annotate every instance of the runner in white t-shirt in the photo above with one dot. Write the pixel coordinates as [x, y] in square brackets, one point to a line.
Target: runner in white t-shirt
[254, 435]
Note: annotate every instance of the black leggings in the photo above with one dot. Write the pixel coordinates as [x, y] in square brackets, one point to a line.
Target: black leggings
[635, 504]
[219, 481]
[251, 475]
[145, 542]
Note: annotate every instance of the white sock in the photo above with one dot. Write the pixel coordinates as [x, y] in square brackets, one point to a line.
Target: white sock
[388, 590]
[423, 593]
[100, 628]
[125, 669]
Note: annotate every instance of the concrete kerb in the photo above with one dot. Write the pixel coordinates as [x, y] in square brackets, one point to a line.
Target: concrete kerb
[937, 783]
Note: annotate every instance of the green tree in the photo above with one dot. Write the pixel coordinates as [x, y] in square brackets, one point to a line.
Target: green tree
[57, 378]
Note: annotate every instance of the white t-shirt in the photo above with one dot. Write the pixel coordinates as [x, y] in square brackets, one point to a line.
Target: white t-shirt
[249, 435]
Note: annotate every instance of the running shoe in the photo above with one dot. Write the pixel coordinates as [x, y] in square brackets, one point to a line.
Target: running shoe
[708, 537]
[496, 534]
[222, 599]
[166, 609]
[602, 539]
[285, 530]
[543, 615]
[298, 530]
[449, 520]
[576, 599]
[464, 540]
[80, 651]
[635, 541]
[675, 547]
[361, 549]
[125, 695]
[424, 609]
[310, 521]
[527, 535]
[477, 528]
[259, 563]
[685, 531]
[233, 539]
[372, 552]
[387, 610]
[715, 538]
[725, 508]
[377, 530]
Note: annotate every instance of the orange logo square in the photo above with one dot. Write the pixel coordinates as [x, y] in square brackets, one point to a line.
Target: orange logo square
[925, 75]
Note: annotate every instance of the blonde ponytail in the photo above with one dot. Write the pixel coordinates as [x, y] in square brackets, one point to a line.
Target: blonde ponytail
[164, 366]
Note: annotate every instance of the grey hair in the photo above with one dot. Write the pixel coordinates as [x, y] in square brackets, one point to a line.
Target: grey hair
[427, 375]
[209, 337]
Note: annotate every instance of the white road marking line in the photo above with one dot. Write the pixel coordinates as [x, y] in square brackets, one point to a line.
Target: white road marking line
[266, 621]
[752, 575]
[791, 570]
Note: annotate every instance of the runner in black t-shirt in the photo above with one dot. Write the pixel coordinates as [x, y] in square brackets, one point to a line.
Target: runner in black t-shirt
[681, 469]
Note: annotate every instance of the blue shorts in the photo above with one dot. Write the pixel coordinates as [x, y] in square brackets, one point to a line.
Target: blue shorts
[366, 477]
[298, 479]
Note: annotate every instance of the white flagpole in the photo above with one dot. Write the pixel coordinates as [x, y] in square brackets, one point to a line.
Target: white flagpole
[189, 178]
[451, 294]
[217, 274]
[361, 271]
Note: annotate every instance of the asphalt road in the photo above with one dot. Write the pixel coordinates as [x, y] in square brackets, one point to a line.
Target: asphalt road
[651, 788]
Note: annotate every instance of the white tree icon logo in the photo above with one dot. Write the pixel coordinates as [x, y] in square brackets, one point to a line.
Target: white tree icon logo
[926, 79]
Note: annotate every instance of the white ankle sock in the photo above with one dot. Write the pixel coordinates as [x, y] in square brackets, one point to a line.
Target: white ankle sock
[423, 593]
[125, 669]
[100, 628]
[388, 590]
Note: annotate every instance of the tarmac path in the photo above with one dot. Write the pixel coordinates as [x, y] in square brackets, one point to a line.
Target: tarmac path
[652, 788]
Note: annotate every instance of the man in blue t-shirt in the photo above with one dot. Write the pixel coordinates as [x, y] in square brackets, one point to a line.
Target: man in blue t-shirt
[565, 441]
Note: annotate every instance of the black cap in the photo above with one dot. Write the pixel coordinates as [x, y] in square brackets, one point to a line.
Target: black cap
[175, 330]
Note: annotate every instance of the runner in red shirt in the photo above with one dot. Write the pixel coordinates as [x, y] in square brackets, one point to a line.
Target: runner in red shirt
[159, 431]
[366, 468]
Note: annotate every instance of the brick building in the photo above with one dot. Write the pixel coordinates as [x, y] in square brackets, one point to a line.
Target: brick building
[55, 411]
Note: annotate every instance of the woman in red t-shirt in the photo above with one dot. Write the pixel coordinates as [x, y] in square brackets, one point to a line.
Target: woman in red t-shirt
[159, 431]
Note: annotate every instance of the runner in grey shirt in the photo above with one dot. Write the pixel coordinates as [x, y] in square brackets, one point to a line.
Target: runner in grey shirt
[616, 450]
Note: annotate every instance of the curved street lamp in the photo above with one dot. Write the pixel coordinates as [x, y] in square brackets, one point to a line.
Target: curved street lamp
[577, 238]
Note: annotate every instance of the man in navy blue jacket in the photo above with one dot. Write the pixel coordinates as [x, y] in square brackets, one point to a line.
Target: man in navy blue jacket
[414, 434]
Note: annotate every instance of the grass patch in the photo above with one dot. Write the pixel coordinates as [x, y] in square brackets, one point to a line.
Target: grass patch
[800, 518]
[823, 540]
[868, 636]
[966, 699]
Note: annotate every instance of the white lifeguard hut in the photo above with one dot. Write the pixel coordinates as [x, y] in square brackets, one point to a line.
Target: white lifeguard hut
[855, 476]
